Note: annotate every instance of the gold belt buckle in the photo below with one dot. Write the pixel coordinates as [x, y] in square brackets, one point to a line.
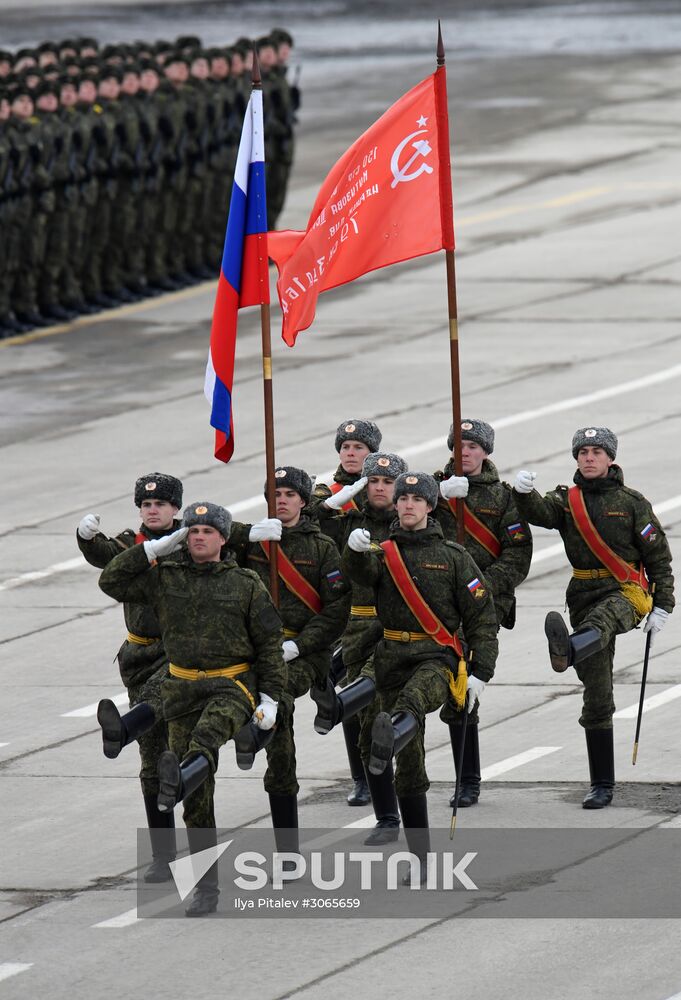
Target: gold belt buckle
[404, 637]
[200, 675]
[594, 574]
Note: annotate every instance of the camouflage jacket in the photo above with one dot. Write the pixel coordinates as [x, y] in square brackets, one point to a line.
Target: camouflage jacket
[137, 660]
[452, 586]
[625, 521]
[211, 614]
[362, 632]
[493, 503]
[318, 561]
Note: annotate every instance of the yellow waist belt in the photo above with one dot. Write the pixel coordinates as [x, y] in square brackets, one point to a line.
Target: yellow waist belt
[363, 611]
[290, 633]
[397, 636]
[188, 674]
[595, 574]
[140, 640]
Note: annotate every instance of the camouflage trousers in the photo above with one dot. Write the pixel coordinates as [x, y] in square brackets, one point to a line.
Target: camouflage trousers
[155, 740]
[612, 616]
[212, 711]
[280, 776]
[424, 692]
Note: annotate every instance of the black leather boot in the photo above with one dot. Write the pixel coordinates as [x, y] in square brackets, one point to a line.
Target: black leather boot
[469, 788]
[564, 649]
[335, 707]
[388, 737]
[162, 837]
[284, 811]
[600, 748]
[119, 730]
[414, 809]
[177, 781]
[207, 891]
[384, 801]
[359, 796]
[248, 741]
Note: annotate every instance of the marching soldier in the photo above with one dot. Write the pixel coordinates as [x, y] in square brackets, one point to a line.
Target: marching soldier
[355, 439]
[621, 572]
[314, 604]
[356, 705]
[500, 542]
[425, 589]
[142, 659]
[222, 636]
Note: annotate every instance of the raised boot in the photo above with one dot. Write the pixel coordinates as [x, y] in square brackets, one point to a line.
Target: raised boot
[119, 730]
[359, 796]
[284, 811]
[338, 669]
[176, 781]
[334, 707]
[207, 891]
[469, 787]
[162, 837]
[414, 809]
[599, 745]
[328, 707]
[388, 737]
[384, 801]
[248, 741]
[564, 649]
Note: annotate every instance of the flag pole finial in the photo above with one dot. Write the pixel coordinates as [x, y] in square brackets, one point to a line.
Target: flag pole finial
[256, 79]
[440, 45]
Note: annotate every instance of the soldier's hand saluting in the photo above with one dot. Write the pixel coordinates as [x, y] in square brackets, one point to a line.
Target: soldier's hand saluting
[454, 488]
[89, 527]
[157, 547]
[339, 499]
[524, 481]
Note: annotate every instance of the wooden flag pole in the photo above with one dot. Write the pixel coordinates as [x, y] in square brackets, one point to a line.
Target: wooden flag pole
[266, 338]
[447, 215]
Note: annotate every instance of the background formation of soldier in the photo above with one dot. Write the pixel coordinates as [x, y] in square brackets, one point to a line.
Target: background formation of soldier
[116, 166]
[383, 617]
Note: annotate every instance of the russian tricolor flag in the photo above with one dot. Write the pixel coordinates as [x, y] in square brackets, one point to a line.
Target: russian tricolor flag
[244, 276]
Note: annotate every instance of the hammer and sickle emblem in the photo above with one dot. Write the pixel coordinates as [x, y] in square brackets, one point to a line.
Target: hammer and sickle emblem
[422, 147]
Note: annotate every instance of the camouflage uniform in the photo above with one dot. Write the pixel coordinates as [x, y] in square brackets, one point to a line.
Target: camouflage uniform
[141, 659]
[626, 522]
[317, 559]
[414, 676]
[212, 615]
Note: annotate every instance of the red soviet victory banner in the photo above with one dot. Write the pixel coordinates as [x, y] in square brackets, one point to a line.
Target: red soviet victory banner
[384, 201]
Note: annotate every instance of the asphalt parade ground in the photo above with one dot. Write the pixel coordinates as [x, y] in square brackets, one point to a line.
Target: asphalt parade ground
[566, 162]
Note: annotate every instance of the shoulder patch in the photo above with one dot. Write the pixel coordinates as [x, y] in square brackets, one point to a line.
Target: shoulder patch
[517, 532]
[476, 589]
[649, 533]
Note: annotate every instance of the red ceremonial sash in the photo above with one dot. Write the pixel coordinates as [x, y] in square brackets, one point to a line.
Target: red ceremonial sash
[413, 598]
[140, 538]
[620, 568]
[350, 505]
[477, 530]
[294, 580]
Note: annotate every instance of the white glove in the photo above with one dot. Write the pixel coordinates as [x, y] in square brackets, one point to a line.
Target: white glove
[290, 650]
[265, 714]
[475, 689]
[454, 488]
[524, 480]
[267, 530]
[339, 499]
[89, 527]
[359, 540]
[655, 622]
[156, 547]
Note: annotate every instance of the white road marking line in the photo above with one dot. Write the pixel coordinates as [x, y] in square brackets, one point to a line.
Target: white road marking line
[90, 710]
[425, 446]
[8, 969]
[677, 996]
[122, 920]
[4, 744]
[671, 694]
[516, 761]
[362, 823]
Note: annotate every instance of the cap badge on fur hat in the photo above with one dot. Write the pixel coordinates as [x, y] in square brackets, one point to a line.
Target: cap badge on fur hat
[280, 473]
[412, 480]
[349, 428]
[591, 433]
[150, 487]
[466, 425]
[383, 462]
[201, 510]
